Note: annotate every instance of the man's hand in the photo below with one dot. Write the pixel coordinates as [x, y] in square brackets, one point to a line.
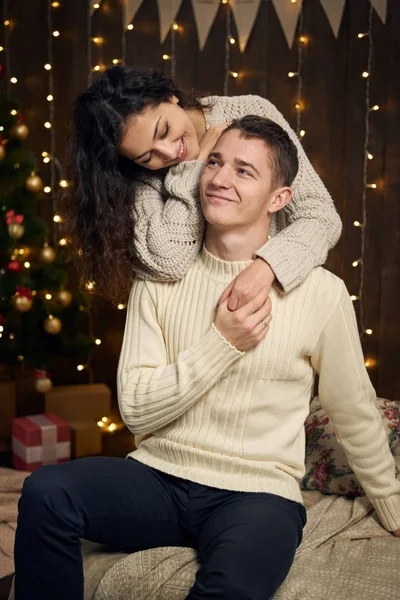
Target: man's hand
[246, 327]
[248, 284]
[396, 533]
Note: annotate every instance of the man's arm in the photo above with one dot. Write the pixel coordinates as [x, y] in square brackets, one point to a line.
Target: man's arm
[348, 397]
[151, 392]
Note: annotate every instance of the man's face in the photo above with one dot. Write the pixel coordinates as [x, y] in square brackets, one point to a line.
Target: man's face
[236, 184]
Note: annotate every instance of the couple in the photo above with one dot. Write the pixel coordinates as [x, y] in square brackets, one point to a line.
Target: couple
[217, 397]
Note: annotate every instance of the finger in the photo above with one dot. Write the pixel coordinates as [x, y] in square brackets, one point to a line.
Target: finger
[261, 317]
[226, 293]
[233, 301]
[253, 305]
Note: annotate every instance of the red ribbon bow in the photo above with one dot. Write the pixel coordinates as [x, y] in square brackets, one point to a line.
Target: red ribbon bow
[24, 292]
[11, 217]
[41, 373]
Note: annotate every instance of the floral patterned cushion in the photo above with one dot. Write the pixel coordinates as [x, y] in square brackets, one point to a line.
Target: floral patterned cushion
[327, 469]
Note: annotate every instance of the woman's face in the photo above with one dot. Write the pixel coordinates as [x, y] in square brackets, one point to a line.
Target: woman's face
[160, 136]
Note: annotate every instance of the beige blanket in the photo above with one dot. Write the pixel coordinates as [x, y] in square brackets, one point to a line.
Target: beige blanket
[10, 488]
[345, 555]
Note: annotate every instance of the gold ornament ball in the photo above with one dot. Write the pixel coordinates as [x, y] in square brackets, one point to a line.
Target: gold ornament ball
[20, 132]
[34, 184]
[23, 304]
[16, 230]
[64, 297]
[44, 384]
[47, 254]
[52, 326]
[2, 152]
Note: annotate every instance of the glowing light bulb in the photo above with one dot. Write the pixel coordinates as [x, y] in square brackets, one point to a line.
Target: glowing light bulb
[292, 74]
[55, 4]
[90, 285]
[62, 242]
[354, 298]
[116, 61]
[56, 33]
[121, 306]
[372, 186]
[232, 40]
[14, 80]
[357, 224]
[46, 159]
[57, 218]
[63, 183]
[80, 367]
[175, 26]
[130, 27]
[375, 107]
[362, 35]
[47, 66]
[97, 342]
[355, 263]
[27, 265]
[97, 68]
[45, 153]
[1, 48]
[302, 133]
[234, 74]
[13, 112]
[47, 125]
[96, 6]
[368, 331]
[47, 189]
[166, 57]
[112, 427]
[303, 39]
[365, 74]
[370, 156]
[48, 296]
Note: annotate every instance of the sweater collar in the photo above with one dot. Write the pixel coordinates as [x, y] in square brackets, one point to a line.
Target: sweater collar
[220, 270]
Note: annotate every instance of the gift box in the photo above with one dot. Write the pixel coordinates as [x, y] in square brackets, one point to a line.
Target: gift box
[86, 439]
[40, 440]
[79, 403]
[7, 407]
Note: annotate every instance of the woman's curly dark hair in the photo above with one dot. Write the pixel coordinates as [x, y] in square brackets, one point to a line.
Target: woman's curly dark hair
[100, 197]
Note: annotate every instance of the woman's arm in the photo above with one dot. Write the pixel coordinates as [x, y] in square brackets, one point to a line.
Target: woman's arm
[313, 225]
[168, 222]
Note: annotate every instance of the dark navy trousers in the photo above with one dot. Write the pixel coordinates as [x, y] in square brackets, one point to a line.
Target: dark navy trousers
[245, 541]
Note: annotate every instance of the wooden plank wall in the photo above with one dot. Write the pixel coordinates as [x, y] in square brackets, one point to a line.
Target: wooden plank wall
[333, 117]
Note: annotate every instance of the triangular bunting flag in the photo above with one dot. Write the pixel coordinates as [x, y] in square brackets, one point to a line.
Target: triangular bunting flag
[245, 12]
[288, 15]
[381, 8]
[167, 11]
[130, 9]
[334, 11]
[205, 12]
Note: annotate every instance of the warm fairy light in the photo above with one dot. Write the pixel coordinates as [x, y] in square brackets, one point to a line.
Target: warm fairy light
[21, 251]
[130, 27]
[354, 298]
[293, 1]
[368, 331]
[357, 224]
[98, 40]
[11, 336]
[47, 125]
[89, 285]
[292, 74]
[100, 423]
[370, 156]
[47, 189]
[1, 48]
[48, 296]
[56, 33]
[175, 26]
[303, 39]
[50, 98]
[356, 263]
[112, 427]
[13, 112]
[97, 342]
[224, 1]
[121, 306]
[55, 4]
[80, 367]
[232, 40]
[63, 183]
[372, 186]
[105, 419]
[6, 22]
[44, 153]
[14, 80]
[46, 159]
[297, 106]
[116, 61]
[57, 218]
[166, 57]
[362, 35]
[34, 292]
[365, 74]
[97, 68]
[234, 74]
[62, 242]
[375, 107]
[51, 317]
[20, 357]
[96, 6]
[370, 363]
[1, 328]
[27, 265]
[302, 133]
[47, 66]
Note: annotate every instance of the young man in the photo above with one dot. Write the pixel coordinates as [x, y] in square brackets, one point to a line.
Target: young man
[218, 407]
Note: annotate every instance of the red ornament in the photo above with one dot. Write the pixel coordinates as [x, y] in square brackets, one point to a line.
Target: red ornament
[40, 373]
[14, 266]
[2, 70]
[22, 291]
[21, 118]
[1, 319]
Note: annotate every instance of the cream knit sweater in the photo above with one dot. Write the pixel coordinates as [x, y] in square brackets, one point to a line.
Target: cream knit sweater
[235, 420]
[169, 226]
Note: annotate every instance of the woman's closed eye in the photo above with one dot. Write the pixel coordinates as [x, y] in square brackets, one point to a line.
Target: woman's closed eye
[164, 135]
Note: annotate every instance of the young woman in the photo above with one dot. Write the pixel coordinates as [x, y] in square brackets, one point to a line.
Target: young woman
[136, 152]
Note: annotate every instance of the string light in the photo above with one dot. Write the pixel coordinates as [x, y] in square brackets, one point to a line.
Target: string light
[299, 105]
[234, 74]
[166, 57]
[121, 306]
[97, 342]
[57, 218]
[365, 74]
[47, 66]
[175, 26]
[14, 80]
[375, 107]
[232, 40]
[372, 186]
[354, 297]
[356, 263]
[63, 183]
[362, 35]
[130, 27]
[302, 133]
[357, 224]
[368, 331]
[47, 125]
[47, 189]
[56, 33]
[369, 156]
[292, 74]
[63, 242]
[228, 36]
[96, 6]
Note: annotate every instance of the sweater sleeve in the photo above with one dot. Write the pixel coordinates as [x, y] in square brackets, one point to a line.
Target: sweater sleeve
[151, 392]
[349, 399]
[168, 222]
[313, 224]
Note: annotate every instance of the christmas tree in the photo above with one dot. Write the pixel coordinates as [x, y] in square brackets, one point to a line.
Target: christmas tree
[41, 318]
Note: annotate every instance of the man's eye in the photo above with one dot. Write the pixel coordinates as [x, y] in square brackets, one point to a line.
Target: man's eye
[164, 135]
[244, 172]
[211, 162]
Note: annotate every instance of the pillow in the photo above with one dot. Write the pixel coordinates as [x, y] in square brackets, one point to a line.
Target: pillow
[327, 469]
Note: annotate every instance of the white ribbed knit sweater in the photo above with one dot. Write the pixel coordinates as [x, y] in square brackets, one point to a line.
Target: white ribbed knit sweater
[235, 420]
[169, 225]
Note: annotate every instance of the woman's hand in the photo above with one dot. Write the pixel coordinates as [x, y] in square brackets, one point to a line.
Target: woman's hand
[396, 533]
[246, 327]
[210, 139]
[248, 283]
